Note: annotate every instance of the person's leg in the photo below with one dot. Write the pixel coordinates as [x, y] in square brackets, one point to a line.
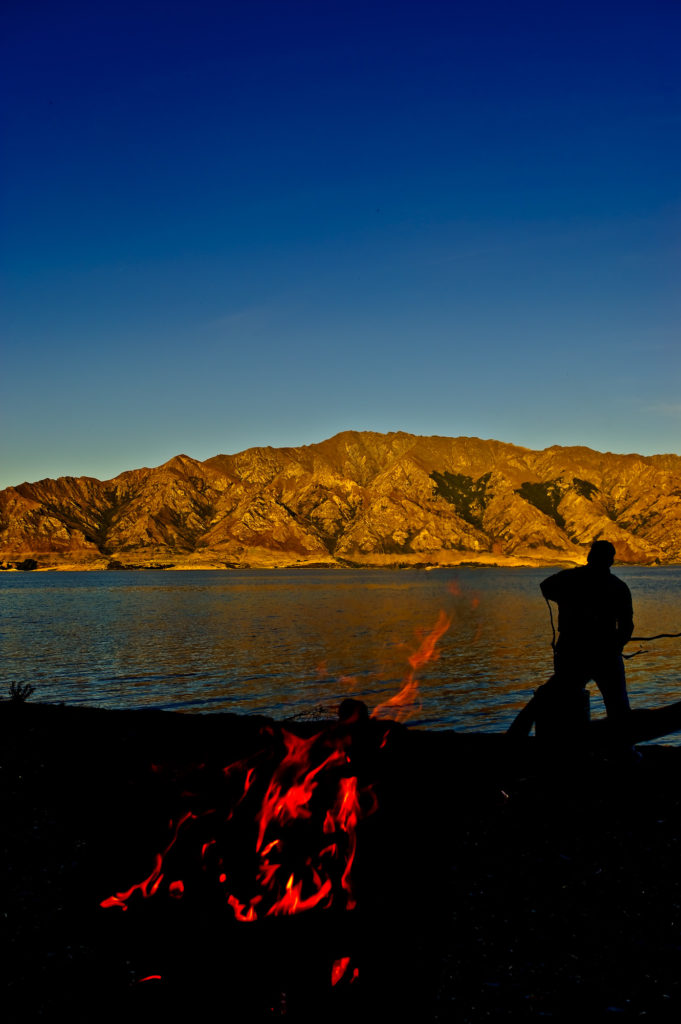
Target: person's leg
[611, 681]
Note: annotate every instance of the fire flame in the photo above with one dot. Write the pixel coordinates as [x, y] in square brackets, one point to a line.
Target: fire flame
[309, 764]
[285, 883]
[406, 702]
[150, 885]
[283, 838]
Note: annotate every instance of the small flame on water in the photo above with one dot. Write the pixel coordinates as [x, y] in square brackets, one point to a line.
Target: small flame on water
[403, 704]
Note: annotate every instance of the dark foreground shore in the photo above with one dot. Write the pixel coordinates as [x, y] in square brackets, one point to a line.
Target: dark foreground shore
[492, 883]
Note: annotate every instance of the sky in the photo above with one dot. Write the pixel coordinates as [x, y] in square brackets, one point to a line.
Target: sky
[262, 222]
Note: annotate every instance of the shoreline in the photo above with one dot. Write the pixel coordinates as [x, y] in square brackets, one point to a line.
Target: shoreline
[510, 563]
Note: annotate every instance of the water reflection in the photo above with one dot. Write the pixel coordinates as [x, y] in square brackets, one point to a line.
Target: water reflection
[285, 642]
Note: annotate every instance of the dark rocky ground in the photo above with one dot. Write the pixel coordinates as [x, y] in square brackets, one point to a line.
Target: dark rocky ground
[493, 883]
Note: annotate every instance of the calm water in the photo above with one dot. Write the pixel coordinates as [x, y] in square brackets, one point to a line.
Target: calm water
[289, 643]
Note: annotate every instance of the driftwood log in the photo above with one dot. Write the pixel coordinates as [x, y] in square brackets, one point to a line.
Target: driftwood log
[563, 715]
[641, 724]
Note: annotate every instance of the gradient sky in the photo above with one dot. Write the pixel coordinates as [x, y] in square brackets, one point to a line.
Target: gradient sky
[262, 222]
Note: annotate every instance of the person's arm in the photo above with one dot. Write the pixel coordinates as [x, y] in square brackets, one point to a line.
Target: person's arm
[551, 587]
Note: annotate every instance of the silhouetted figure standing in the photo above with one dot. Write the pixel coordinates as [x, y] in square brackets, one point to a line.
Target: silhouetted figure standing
[595, 621]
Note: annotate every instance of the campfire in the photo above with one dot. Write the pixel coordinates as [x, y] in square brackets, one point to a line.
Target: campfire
[276, 833]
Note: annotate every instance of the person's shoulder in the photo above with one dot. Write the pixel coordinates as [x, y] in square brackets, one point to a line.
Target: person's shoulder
[566, 574]
[619, 584]
[570, 576]
[559, 584]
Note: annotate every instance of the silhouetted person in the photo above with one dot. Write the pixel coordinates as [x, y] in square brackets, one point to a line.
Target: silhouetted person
[595, 621]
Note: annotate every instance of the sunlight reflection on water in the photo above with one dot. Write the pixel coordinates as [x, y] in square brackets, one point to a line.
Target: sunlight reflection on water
[285, 642]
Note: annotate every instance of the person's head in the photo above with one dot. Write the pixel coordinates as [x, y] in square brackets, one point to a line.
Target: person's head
[601, 555]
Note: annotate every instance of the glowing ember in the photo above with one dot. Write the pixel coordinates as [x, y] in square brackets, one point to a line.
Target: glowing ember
[339, 970]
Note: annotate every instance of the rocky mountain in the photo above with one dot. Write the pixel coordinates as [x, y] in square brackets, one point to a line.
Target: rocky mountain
[358, 498]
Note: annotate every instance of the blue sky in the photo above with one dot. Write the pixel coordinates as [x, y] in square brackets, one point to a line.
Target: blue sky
[240, 223]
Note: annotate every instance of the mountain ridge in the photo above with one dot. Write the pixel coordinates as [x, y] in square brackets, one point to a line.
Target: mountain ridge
[357, 498]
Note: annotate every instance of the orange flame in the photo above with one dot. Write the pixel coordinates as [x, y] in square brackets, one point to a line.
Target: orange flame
[240, 912]
[289, 797]
[293, 903]
[310, 766]
[283, 804]
[151, 884]
[300, 787]
[404, 703]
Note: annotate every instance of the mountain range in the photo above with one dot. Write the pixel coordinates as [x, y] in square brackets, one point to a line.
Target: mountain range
[356, 499]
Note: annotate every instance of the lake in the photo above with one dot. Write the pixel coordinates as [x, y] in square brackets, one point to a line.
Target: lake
[294, 642]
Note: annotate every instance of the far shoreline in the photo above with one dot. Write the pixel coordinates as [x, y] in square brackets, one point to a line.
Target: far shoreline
[321, 566]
